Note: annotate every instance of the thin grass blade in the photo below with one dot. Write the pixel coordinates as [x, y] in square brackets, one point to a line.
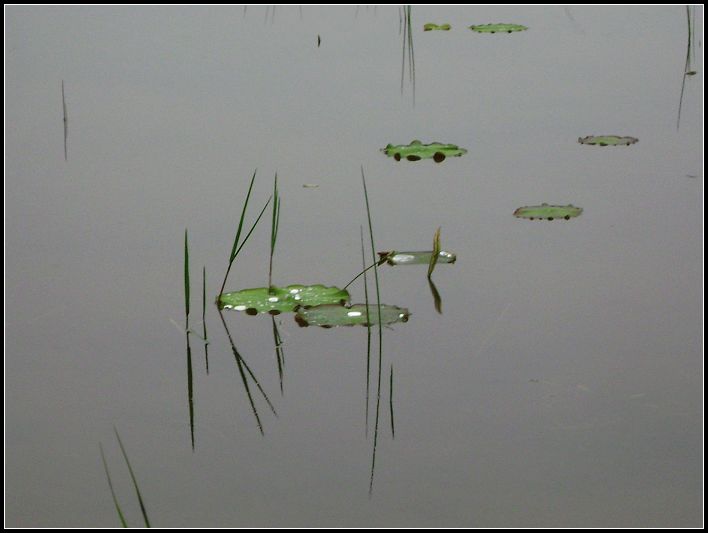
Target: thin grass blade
[241, 363]
[204, 327]
[243, 216]
[274, 228]
[110, 486]
[378, 306]
[190, 390]
[132, 476]
[390, 403]
[238, 250]
[279, 353]
[186, 279]
[368, 330]
[66, 122]
[245, 240]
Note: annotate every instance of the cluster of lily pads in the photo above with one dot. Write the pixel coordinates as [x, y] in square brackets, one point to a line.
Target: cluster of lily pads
[313, 305]
[438, 152]
[319, 305]
[323, 306]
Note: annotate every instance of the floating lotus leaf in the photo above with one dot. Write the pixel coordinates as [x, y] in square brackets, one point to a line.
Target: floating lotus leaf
[276, 300]
[416, 258]
[607, 140]
[439, 27]
[328, 316]
[416, 151]
[548, 212]
[498, 28]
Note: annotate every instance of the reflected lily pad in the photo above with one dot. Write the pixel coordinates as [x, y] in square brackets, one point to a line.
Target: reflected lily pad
[498, 28]
[548, 212]
[436, 27]
[416, 150]
[607, 140]
[328, 316]
[276, 300]
[416, 258]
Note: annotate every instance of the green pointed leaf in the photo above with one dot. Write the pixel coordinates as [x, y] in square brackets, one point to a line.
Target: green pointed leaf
[436, 253]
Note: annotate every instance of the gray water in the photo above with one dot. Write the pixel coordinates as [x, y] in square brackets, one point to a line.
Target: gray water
[561, 386]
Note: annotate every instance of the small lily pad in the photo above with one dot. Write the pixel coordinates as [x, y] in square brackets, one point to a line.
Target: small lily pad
[607, 140]
[328, 316]
[416, 258]
[498, 28]
[416, 150]
[436, 27]
[276, 300]
[548, 212]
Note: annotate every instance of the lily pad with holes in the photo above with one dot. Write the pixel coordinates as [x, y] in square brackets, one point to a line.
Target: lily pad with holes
[607, 140]
[416, 150]
[548, 212]
[498, 28]
[276, 300]
[329, 316]
[436, 27]
[416, 258]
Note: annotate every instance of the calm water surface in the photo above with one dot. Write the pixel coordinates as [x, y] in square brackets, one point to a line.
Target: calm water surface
[561, 386]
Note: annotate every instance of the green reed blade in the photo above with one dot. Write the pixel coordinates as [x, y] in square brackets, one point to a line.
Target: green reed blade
[186, 278]
[279, 353]
[135, 482]
[110, 486]
[241, 364]
[235, 249]
[378, 306]
[390, 403]
[190, 390]
[245, 240]
[274, 228]
[368, 330]
[243, 216]
[204, 328]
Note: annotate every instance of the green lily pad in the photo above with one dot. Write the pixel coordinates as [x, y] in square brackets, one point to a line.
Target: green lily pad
[498, 28]
[416, 258]
[276, 300]
[548, 212]
[416, 150]
[436, 27]
[607, 140]
[328, 316]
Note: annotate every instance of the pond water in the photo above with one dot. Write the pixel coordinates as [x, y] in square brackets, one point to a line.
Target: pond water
[560, 386]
